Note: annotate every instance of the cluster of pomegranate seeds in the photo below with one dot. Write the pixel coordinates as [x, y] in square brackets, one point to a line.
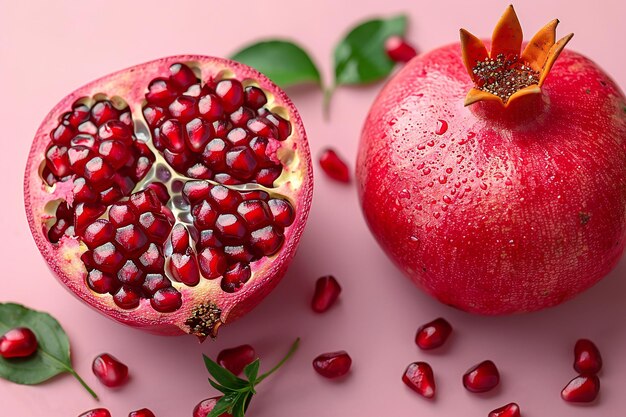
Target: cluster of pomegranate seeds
[327, 291]
[587, 362]
[233, 229]
[237, 358]
[504, 75]
[509, 410]
[109, 371]
[433, 334]
[204, 407]
[420, 378]
[334, 166]
[125, 256]
[482, 377]
[399, 50]
[95, 147]
[96, 412]
[332, 364]
[144, 412]
[20, 342]
[220, 130]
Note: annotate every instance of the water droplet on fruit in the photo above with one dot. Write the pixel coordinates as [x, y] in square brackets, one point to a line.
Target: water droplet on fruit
[430, 143]
[483, 186]
[414, 239]
[443, 179]
[404, 193]
[480, 173]
[426, 171]
[442, 127]
[447, 199]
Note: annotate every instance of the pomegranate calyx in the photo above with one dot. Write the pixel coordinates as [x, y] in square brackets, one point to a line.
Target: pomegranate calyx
[505, 74]
[204, 321]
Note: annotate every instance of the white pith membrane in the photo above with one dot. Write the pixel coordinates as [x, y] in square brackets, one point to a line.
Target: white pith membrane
[206, 305]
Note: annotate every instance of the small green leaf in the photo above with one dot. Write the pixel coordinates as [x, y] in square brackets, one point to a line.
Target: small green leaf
[220, 388]
[53, 354]
[360, 57]
[223, 376]
[223, 405]
[252, 371]
[239, 408]
[282, 61]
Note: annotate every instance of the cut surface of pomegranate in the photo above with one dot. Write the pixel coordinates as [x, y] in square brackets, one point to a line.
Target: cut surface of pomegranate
[20, 342]
[237, 358]
[110, 371]
[433, 334]
[327, 291]
[509, 410]
[171, 196]
[587, 358]
[332, 364]
[582, 389]
[482, 377]
[420, 378]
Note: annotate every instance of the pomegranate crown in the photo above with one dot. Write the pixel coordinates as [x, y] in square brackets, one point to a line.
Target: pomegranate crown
[503, 74]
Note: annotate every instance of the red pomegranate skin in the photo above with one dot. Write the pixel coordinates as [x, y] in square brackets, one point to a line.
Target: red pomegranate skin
[497, 212]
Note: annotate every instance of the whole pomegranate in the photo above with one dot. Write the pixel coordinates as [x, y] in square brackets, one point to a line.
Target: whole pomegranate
[497, 180]
[171, 196]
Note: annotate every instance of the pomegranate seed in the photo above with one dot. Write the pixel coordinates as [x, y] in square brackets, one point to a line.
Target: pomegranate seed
[107, 257]
[160, 92]
[198, 134]
[261, 127]
[204, 407]
[110, 371]
[420, 378]
[204, 215]
[255, 97]
[238, 136]
[332, 364]
[327, 291]
[231, 93]
[587, 358]
[254, 212]
[241, 116]
[283, 127]
[266, 241]
[212, 263]
[582, 389]
[209, 239]
[152, 259]
[155, 282]
[237, 358]
[333, 166]
[104, 111]
[144, 412]
[509, 410]
[184, 268]
[96, 412]
[241, 161]
[182, 75]
[237, 254]
[482, 377]
[85, 214]
[20, 342]
[127, 297]
[156, 226]
[398, 50]
[183, 108]
[225, 198]
[160, 190]
[57, 161]
[433, 334]
[153, 115]
[179, 238]
[230, 226]
[235, 277]
[100, 282]
[130, 238]
[120, 215]
[210, 107]
[267, 176]
[114, 153]
[282, 212]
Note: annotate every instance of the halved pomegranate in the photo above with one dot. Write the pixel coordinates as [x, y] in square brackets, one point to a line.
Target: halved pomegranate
[171, 196]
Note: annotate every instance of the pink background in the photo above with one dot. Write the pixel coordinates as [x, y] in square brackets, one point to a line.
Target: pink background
[50, 48]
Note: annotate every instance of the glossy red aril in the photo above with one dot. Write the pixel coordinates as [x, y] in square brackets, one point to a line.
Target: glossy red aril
[20, 342]
[96, 412]
[110, 371]
[237, 358]
[204, 407]
[420, 378]
[476, 131]
[399, 50]
[327, 291]
[587, 358]
[332, 364]
[144, 412]
[334, 166]
[482, 377]
[157, 192]
[509, 410]
[433, 334]
[582, 389]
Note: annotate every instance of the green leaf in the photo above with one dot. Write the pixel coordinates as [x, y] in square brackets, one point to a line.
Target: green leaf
[252, 371]
[223, 376]
[360, 57]
[239, 408]
[220, 388]
[282, 61]
[53, 354]
[223, 405]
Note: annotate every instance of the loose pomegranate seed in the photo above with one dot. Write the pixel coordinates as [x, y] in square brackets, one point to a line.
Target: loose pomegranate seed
[433, 334]
[582, 389]
[237, 358]
[398, 50]
[332, 364]
[509, 410]
[420, 378]
[327, 291]
[20, 342]
[482, 377]
[587, 358]
[334, 166]
[111, 372]
[144, 412]
[166, 300]
[204, 407]
[96, 412]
